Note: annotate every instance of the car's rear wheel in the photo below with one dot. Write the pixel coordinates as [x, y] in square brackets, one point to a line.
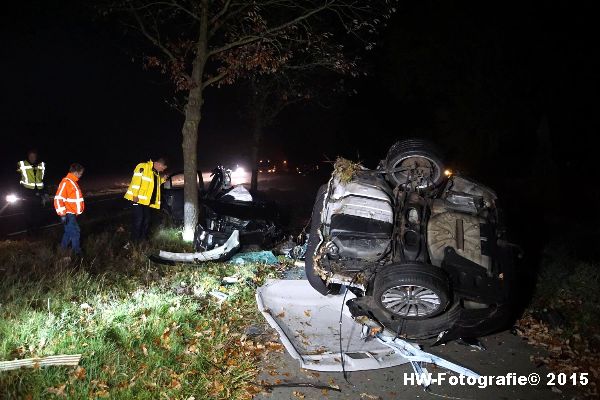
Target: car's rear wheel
[416, 162]
[412, 291]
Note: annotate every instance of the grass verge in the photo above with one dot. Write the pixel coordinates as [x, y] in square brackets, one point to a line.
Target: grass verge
[145, 331]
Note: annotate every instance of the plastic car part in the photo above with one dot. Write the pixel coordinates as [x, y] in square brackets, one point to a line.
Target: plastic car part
[218, 253]
[318, 319]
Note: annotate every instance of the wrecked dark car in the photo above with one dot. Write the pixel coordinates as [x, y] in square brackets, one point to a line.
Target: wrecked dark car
[224, 208]
[424, 251]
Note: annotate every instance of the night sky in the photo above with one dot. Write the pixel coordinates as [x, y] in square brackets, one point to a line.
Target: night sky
[477, 79]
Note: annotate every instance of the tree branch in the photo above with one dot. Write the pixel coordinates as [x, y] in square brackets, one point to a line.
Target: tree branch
[253, 38]
[221, 12]
[214, 79]
[170, 4]
[154, 40]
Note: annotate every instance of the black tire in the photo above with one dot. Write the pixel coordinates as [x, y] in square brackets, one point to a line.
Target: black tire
[428, 283]
[413, 151]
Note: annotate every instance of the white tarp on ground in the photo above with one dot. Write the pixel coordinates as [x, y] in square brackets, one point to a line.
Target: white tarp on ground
[308, 324]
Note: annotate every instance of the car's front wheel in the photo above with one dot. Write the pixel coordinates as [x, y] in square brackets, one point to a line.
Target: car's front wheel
[412, 291]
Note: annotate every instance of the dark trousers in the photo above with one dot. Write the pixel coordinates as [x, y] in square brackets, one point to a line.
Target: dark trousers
[71, 235]
[140, 223]
[32, 208]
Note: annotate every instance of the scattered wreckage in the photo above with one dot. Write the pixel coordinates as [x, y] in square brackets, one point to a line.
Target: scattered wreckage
[423, 250]
[320, 332]
[230, 217]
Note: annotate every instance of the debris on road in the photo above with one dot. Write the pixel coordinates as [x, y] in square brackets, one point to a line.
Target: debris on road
[269, 386]
[310, 328]
[474, 344]
[220, 296]
[230, 280]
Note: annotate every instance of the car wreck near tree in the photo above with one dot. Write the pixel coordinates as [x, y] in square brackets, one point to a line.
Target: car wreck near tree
[229, 217]
[424, 251]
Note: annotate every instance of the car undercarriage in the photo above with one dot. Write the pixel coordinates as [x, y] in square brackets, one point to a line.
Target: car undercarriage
[424, 250]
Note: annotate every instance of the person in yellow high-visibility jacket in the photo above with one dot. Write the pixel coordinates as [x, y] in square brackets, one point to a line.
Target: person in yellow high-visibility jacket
[144, 193]
[31, 178]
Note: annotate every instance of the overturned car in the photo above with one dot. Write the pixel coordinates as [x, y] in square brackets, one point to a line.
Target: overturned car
[424, 250]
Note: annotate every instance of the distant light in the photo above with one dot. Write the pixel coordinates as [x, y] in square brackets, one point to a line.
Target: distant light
[285, 161]
[239, 176]
[12, 198]
[447, 172]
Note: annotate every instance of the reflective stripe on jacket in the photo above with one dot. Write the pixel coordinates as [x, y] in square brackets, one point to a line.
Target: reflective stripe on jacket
[142, 185]
[32, 176]
[69, 199]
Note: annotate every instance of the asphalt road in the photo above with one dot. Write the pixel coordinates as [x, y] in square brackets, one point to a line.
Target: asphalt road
[12, 217]
[505, 354]
[295, 193]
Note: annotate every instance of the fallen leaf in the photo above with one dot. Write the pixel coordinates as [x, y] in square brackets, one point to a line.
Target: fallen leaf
[369, 396]
[58, 391]
[175, 384]
[79, 373]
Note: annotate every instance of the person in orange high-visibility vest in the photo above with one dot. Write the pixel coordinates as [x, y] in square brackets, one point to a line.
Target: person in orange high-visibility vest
[68, 204]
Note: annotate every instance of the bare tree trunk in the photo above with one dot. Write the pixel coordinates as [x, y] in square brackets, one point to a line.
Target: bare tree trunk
[189, 131]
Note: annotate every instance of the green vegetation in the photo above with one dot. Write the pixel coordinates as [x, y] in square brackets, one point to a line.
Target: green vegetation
[564, 315]
[570, 286]
[145, 331]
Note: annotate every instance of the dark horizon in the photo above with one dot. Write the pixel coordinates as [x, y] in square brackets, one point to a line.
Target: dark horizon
[477, 79]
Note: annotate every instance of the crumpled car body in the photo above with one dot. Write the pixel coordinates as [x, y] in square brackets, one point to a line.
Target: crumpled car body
[425, 251]
[223, 210]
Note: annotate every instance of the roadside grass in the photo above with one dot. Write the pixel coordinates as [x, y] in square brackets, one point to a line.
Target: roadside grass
[145, 331]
